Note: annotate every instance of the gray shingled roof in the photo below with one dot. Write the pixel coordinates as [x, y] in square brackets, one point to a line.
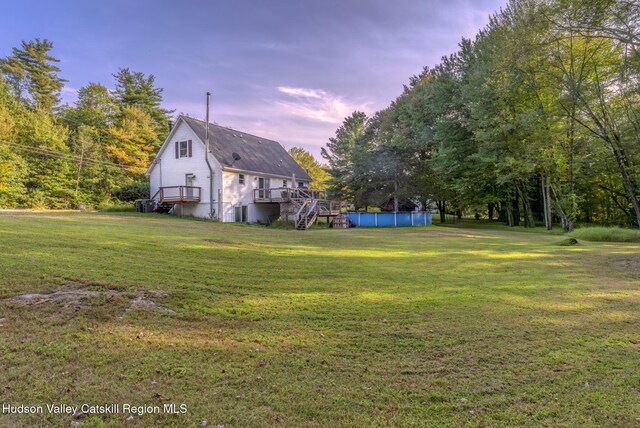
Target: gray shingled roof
[256, 153]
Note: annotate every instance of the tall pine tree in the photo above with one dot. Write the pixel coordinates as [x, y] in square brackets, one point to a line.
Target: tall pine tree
[32, 69]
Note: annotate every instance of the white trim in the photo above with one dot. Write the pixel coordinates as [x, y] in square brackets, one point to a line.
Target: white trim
[261, 173]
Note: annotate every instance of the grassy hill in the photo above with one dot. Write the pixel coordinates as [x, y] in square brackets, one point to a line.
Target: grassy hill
[249, 326]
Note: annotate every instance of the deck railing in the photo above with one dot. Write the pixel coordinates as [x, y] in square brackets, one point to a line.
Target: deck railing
[179, 194]
[286, 194]
[327, 207]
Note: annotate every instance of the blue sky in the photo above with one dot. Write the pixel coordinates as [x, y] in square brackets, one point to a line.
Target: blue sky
[287, 70]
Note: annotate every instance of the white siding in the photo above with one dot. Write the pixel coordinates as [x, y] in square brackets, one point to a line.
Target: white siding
[169, 171]
[236, 194]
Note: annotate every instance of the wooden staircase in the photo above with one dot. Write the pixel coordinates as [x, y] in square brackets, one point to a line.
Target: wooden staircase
[164, 207]
[307, 214]
[301, 206]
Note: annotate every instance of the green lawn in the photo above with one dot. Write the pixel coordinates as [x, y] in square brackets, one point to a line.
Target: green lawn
[430, 326]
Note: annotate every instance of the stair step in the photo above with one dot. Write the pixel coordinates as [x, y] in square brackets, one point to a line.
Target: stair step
[164, 207]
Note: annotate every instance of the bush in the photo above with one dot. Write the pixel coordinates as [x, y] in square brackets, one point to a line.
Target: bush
[607, 234]
[567, 242]
[117, 208]
[133, 191]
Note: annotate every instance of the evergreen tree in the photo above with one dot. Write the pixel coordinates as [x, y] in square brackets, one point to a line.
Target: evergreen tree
[338, 153]
[134, 89]
[32, 69]
[96, 107]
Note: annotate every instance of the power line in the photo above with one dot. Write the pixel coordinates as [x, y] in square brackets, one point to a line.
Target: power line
[66, 156]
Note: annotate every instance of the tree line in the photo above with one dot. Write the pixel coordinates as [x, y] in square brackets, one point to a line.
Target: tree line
[61, 156]
[93, 153]
[534, 120]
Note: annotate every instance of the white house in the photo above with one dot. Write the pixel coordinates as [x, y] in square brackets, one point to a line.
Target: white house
[233, 182]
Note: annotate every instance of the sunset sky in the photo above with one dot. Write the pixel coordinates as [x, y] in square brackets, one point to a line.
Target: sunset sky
[285, 70]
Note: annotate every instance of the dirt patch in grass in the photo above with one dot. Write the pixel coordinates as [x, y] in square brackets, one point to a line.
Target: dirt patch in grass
[142, 302]
[83, 298]
[630, 264]
[69, 297]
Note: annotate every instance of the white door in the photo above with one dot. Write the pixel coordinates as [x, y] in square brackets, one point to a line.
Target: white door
[263, 184]
[188, 181]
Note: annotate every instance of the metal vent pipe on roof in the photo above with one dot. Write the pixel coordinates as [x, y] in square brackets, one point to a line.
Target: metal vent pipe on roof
[206, 132]
[206, 157]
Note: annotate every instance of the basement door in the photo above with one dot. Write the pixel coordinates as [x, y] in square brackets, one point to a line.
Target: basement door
[240, 213]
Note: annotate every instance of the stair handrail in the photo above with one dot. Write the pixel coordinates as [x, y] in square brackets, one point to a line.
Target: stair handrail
[301, 208]
[306, 214]
[313, 212]
[314, 206]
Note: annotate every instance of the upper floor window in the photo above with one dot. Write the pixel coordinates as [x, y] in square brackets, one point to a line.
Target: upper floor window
[241, 179]
[183, 149]
[301, 184]
[284, 183]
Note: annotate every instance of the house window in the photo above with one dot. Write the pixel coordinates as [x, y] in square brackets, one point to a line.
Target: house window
[183, 149]
[284, 183]
[300, 183]
[241, 179]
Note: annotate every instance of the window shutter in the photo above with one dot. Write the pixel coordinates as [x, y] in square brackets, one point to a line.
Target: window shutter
[177, 149]
[189, 148]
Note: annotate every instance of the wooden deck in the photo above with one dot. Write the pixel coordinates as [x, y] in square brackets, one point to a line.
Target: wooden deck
[285, 195]
[301, 206]
[175, 194]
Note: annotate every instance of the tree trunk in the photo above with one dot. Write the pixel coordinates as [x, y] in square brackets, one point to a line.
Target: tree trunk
[502, 212]
[529, 221]
[546, 199]
[79, 172]
[510, 221]
[628, 181]
[441, 208]
[395, 196]
[515, 210]
[545, 203]
[567, 225]
[490, 208]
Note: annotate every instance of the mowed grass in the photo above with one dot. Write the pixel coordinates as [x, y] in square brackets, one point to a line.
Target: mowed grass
[425, 326]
